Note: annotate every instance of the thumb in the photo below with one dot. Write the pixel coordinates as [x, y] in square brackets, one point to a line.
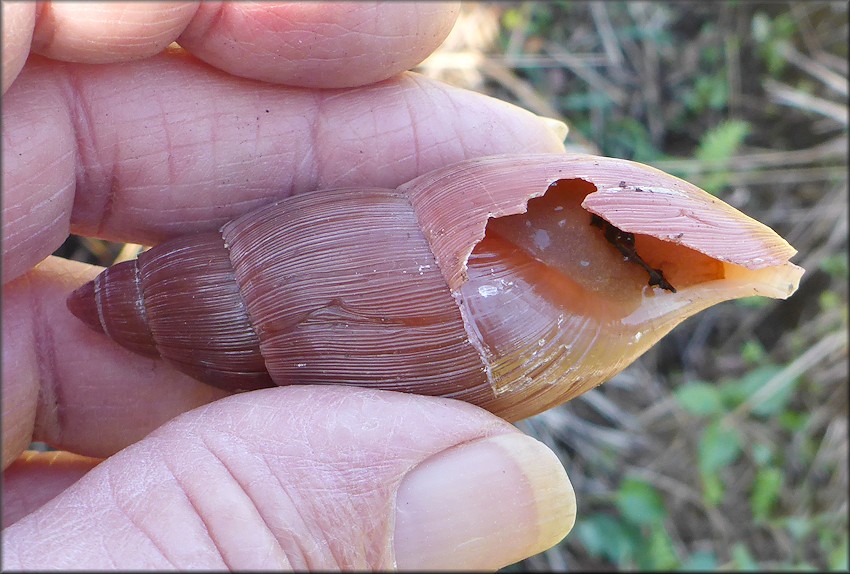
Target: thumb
[309, 478]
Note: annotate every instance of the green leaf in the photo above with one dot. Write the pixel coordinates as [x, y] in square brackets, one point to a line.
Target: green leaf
[762, 454]
[743, 559]
[718, 145]
[606, 537]
[659, 553]
[798, 527]
[838, 556]
[734, 392]
[719, 446]
[829, 300]
[710, 92]
[752, 351]
[629, 138]
[640, 503]
[836, 266]
[512, 18]
[712, 490]
[793, 421]
[585, 101]
[701, 560]
[721, 142]
[765, 491]
[778, 400]
[699, 398]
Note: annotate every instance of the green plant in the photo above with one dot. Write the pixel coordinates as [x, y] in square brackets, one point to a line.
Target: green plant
[771, 35]
[716, 148]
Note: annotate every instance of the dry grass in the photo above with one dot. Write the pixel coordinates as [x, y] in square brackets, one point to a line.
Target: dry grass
[647, 81]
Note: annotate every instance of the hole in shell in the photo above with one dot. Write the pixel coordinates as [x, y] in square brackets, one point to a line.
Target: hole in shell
[553, 261]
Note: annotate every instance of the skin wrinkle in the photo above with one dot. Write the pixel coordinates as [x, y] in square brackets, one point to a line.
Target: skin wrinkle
[126, 29]
[21, 396]
[44, 31]
[459, 134]
[48, 419]
[117, 503]
[34, 234]
[212, 22]
[39, 233]
[305, 563]
[272, 23]
[317, 458]
[18, 20]
[256, 507]
[35, 175]
[197, 510]
[169, 140]
[162, 18]
[85, 138]
[417, 142]
[173, 170]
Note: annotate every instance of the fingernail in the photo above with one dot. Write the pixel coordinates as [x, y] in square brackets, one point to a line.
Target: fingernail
[557, 127]
[483, 505]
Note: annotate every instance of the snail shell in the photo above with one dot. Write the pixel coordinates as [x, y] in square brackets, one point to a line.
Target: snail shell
[513, 282]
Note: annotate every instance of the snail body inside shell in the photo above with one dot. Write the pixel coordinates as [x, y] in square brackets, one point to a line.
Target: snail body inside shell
[490, 281]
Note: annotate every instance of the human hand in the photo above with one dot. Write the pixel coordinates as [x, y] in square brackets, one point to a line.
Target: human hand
[107, 135]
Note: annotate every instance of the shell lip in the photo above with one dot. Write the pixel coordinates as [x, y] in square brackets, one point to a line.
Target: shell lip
[691, 218]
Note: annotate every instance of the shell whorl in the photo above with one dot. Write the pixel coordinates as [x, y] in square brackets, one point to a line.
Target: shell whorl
[180, 301]
[308, 291]
[342, 287]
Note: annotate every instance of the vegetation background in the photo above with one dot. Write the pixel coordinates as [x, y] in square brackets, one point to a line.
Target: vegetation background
[725, 446]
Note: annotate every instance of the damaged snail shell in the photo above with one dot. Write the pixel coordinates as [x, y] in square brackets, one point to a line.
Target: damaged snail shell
[513, 282]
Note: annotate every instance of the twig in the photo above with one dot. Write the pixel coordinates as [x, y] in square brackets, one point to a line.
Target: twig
[593, 78]
[599, 12]
[516, 42]
[815, 69]
[832, 343]
[785, 95]
[524, 92]
[610, 410]
[804, 24]
[732, 53]
[470, 59]
[787, 176]
[832, 61]
[833, 149]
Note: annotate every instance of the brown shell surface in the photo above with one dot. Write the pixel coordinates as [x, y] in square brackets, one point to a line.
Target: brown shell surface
[113, 304]
[341, 287]
[196, 314]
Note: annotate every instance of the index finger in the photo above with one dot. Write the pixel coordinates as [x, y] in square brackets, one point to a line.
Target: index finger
[168, 145]
[318, 44]
[311, 44]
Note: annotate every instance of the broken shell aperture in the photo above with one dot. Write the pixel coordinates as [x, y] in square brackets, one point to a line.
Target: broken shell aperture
[513, 282]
